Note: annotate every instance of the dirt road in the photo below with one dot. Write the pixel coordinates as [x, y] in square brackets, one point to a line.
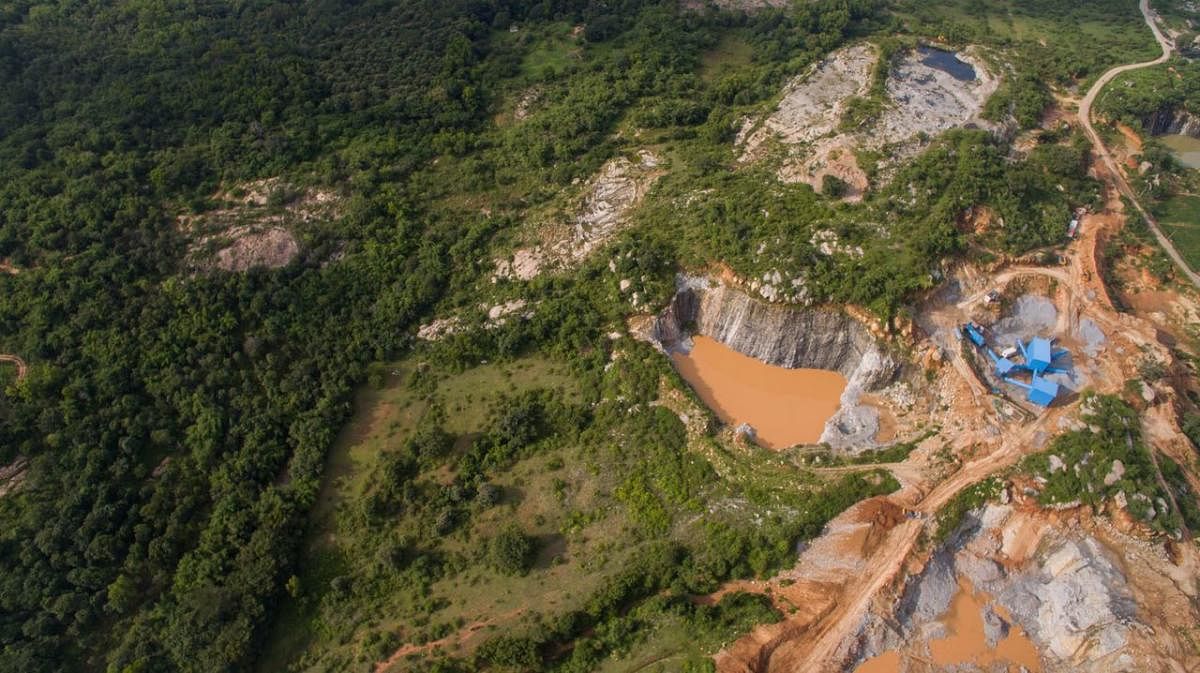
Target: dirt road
[907, 473]
[1085, 120]
[22, 369]
[1015, 272]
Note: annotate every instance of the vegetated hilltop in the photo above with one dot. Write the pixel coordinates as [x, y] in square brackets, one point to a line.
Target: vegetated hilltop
[190, 500]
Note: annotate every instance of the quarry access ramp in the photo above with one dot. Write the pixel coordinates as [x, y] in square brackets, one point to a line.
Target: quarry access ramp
[1085, 120]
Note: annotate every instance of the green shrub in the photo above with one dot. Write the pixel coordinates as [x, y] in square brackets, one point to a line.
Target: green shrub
[511, 551]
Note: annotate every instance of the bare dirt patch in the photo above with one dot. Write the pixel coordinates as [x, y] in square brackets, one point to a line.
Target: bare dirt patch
[271, 248]
[835, 158]
[254, 225]
[527, 103]
[453, 641]
[812, 103]
[600, 213]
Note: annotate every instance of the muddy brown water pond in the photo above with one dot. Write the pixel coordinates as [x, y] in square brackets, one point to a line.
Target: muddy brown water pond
[784, 406]
[965, 643]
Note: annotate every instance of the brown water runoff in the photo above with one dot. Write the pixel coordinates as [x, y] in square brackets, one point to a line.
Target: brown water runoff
[784, 406]
[965, 643]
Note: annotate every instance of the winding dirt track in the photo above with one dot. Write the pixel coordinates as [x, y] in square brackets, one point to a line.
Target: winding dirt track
[1085, 120]
[908, 474]
[22, 368]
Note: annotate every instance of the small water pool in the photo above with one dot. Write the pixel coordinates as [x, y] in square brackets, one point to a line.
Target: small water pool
[1185, 148]
[948, 62]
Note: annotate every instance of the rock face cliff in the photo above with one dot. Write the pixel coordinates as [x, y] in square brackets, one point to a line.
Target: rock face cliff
[786, 336]
[1173, 120]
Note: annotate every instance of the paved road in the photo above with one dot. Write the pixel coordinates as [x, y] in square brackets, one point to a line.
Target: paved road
[1085, 120]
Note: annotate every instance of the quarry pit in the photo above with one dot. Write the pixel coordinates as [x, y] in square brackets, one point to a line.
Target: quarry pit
[817, 374]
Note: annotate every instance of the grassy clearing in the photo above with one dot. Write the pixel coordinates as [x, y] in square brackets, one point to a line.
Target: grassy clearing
[1180, 220]
[387, 416]
[380, 576]
[731, 54]
[549, 50]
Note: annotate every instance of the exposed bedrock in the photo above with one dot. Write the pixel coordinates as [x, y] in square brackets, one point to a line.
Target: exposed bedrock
[786, 336]
[1069, 596]
[1173, 120]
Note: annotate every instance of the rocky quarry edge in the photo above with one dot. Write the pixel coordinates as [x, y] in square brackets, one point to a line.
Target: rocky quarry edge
[1173, 120]
[785, 336]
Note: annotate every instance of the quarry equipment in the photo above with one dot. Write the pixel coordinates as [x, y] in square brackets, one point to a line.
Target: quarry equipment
[1038, 358]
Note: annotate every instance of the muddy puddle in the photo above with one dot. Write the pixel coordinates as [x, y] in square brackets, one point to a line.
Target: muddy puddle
[784, 406]
[966, 643]
[1185, 148]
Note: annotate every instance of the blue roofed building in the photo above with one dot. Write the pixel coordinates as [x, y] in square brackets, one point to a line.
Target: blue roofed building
[1042, 391]
[1040, 355]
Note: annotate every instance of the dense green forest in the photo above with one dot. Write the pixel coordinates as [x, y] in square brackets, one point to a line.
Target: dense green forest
[178, 420]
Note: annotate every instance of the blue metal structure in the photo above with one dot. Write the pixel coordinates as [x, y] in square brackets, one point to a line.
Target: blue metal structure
[1039, 358]
[1040, 391]
[975, 334]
